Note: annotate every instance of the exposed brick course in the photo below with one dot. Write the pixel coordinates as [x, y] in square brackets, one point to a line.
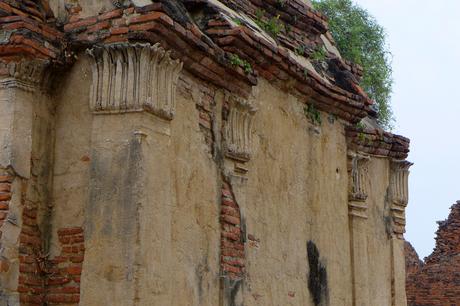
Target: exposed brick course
[45, 281]
[63, 284]
[6, 180]
[33, 263]
[29, 34]
[232, 238]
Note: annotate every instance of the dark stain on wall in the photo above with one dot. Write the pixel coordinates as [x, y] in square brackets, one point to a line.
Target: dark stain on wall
[232, 292]
[317, 277]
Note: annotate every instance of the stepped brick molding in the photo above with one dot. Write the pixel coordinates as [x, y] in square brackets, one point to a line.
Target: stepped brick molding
[26, 33]
[132, 78]
[377, 142]
[435, 282]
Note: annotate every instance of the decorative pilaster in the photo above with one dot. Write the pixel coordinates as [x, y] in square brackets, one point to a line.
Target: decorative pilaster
[26, 138]
[126, 219]
[237, 129]
[357, 210]
[357, 194]
[399, 195]
[238, 115]
[134, 78]
[28, 75]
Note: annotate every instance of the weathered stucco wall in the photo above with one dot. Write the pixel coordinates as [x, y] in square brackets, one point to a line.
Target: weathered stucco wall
[285, 199]
[165, 155]
[287, 202]
[378, 233]
[190, 235]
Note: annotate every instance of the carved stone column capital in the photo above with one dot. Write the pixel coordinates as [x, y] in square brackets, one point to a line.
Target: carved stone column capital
[358, 176]
[237, 129]
[399, 195]
[134, 78]
[28, 75]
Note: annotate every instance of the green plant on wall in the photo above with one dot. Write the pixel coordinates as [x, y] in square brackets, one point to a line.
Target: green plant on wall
[305, 72]
[313, 114]
[237, 61]
[362, 40]
[361, 127]
[300, 50]
[318, 55]
[238, 21]
[272, 26]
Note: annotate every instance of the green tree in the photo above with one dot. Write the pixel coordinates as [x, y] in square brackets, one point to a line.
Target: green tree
[362, 40]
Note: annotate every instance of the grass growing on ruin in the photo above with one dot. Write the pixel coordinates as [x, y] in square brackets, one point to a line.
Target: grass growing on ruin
[272, 26]
[237, 61]
[318, 55]
[313, 114]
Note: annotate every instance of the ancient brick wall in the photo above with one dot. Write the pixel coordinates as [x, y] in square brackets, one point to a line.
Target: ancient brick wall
[437, 281]
[44, 280]
[63, 281]
[413, 262]
[41, 279]
[32, 261]
[232, 191]
[232, 248]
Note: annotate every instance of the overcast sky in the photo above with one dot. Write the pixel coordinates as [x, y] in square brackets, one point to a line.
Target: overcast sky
[424, 38]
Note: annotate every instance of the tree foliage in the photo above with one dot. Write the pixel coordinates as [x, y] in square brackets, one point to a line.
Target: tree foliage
[362, 40]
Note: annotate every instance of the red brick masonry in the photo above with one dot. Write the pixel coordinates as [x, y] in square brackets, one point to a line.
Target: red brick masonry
[232, 241]
[63, 283]
[5, 196]
[44, 280]
[437, 281]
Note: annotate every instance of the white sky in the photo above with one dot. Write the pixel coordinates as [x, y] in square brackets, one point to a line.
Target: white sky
[424, 38]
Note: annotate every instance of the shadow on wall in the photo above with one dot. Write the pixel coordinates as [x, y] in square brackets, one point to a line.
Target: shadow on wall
[317, 278]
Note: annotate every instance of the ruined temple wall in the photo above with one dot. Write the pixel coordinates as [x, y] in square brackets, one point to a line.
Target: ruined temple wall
[285, 199]
[134, 182]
